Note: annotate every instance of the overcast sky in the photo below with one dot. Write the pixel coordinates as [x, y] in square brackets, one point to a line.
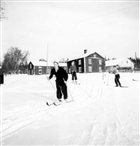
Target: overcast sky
[67, 28]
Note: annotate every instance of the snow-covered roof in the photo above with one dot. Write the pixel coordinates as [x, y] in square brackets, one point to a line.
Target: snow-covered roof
[113, 62]
[84, 55]
[122, 62]
[81, 56]
[43, 63]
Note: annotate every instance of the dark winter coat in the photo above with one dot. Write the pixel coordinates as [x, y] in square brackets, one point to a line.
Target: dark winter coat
[1, 71]
[61, 75]
[73, 68]
[1, 76]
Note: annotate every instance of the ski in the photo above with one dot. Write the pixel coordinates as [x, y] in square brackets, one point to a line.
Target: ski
[122, 86]
[52, 103]
[56, 103]
[48, 103]
[119, 86]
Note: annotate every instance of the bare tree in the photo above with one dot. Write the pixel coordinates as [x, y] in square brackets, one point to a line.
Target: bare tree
[2, 10]
[13, 59]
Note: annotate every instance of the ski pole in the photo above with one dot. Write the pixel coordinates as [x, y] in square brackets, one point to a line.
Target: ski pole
[70, 94]
[51, 84]
[108, 79]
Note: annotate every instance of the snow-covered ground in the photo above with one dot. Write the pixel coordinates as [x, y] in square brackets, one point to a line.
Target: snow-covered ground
[101, 114]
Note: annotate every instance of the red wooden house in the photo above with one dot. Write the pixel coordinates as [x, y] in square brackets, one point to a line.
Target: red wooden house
[42, 67]
[88, 62]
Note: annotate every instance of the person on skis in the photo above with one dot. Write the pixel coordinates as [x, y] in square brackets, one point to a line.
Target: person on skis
[73, 72]
[117, 76]
[61, 81]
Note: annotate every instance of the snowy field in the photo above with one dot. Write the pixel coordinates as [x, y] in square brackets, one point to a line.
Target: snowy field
[101, 114]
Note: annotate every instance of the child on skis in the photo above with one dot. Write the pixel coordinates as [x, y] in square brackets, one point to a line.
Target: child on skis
[117, 76]
[73, 72]
[61, 81]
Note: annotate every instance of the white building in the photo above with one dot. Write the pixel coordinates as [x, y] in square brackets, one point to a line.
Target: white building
[124, 64]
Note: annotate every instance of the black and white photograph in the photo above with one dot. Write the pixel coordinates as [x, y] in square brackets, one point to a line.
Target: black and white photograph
[69, 72]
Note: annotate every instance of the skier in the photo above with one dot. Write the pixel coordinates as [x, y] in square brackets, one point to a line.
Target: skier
[117, 76]
[1, 75]
[61, 81]
[73, 72]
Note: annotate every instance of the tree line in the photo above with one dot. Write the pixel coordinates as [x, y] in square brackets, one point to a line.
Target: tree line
[2, 10]
[136, 62]
[15, 61]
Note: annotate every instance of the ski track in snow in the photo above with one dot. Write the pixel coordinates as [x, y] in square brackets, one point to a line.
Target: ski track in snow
[106, 133]
[98, 132]
[19, 117]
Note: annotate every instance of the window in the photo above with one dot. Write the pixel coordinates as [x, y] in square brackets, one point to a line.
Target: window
[79, 69]
[89, 61]
[40, 71]
[100, 69]
[100, 62]
[48, 69]
[94, 55]
[69, 70]
[31, 66]
[79, 62]
[90, 68]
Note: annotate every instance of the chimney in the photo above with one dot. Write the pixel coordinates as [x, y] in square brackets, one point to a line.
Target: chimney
[85, 51]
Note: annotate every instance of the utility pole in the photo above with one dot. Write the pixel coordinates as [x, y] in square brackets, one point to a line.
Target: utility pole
[135, 60]
[47, 59]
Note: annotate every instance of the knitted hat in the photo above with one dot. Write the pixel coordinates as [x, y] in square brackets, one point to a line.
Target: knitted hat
[56, 62]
